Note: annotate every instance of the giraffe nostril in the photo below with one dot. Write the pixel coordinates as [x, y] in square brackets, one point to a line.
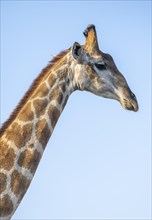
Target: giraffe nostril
[133, 96]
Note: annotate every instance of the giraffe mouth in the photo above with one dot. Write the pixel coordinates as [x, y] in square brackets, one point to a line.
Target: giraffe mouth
[129, 104]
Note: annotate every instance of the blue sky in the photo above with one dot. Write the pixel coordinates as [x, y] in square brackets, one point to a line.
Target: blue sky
[97, 164]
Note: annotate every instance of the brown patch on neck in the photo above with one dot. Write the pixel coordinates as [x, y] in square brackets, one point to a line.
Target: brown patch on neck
[3, 182]
[40, 106]
[29, 159]
[7, 157]
[19, 135]
[34, 85]
[43, 132]
[6, 206]
[19, 184]
[26, 114]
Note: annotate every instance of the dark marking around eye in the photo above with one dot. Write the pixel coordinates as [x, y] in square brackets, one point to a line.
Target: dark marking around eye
[100, 66]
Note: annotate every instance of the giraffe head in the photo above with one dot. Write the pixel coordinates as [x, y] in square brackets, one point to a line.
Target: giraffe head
[96, 72]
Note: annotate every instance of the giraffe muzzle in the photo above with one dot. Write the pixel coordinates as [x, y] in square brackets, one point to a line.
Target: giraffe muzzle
[130, 103]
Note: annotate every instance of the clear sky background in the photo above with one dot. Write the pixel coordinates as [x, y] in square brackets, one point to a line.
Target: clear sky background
[97, 165]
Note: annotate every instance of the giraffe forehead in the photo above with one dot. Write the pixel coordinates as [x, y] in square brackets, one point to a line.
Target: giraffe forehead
[97, 56]
[94, 58]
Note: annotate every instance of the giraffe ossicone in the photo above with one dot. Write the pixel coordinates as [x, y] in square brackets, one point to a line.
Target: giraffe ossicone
[24, 136]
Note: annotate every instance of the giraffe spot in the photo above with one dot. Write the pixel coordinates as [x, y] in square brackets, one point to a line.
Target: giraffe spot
[31, 146]
[43, 132]
[6, 206]
[54, 114]
[26, 114]
[7, 156]
[52, 79]
[3, 182]
[41, 91]
[40, 106]
[19, 135]
[56, 95]
[64, 88]
[65, 101]
[61, 71]
[29, 159]
[19, 184]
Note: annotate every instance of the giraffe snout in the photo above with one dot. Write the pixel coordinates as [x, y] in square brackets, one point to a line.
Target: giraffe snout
[128, 99]
[130, 103]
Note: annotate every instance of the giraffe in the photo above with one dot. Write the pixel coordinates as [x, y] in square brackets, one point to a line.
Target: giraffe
[24, 136]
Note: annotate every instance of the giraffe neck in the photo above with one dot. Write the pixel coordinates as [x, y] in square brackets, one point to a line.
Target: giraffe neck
[26, 137]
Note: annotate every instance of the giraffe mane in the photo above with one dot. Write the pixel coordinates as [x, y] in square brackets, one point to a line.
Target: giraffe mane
[34, 85]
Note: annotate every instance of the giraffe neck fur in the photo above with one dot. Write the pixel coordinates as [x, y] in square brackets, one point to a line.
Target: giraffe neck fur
[26, 137]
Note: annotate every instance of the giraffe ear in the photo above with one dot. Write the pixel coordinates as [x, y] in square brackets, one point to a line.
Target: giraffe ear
[76, 51]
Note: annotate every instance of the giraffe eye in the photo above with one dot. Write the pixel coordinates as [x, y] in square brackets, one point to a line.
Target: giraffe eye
[100, 66]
